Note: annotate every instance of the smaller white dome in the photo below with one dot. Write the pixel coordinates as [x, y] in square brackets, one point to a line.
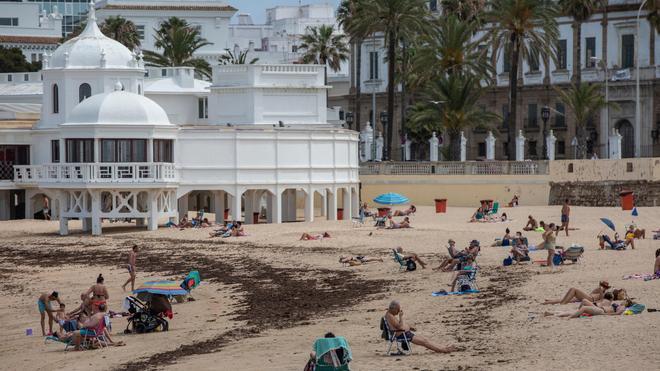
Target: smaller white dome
[118, 108]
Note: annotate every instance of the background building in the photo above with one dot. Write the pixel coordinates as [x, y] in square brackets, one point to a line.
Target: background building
[26, 26]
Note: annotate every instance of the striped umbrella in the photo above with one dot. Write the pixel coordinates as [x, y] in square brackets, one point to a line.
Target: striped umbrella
[169, 288]
[391, 199]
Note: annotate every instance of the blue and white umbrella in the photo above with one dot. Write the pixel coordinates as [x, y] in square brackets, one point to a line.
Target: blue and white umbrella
[391, 199]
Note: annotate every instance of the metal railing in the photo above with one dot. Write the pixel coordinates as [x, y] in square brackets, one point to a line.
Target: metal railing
[455, 168]
[132, 172]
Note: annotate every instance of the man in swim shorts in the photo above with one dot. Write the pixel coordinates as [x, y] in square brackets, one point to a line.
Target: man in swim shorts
[565, 216]
[43, 303]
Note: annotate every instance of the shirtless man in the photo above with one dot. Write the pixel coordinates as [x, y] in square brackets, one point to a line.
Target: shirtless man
[656, 266]
[531, 224]
[396, 323]
[43, 303]
[565, 216]
[132, 256]
[411, 256]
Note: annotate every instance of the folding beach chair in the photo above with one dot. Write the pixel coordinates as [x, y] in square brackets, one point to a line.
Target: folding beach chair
[332, 354]
[359, 221]
[495, 209]
[380, 222]
[403, 345]
[573, 253]
[467, 282]
[91, 337]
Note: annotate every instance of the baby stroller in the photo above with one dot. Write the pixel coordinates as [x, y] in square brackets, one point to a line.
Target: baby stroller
[148, 316]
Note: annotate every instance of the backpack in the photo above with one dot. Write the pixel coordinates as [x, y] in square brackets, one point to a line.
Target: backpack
[410, 265]
[507, 261]
[557, 259]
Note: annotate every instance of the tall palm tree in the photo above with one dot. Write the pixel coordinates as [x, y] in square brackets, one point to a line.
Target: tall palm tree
[345, 13]
[450, 104]
[121, 30]
[465, 10]
[584, 101]
[581, 11]
[241, 58]
[321, 46]
[397, 20]
[179, 42]
[523, 29]
[653, 16]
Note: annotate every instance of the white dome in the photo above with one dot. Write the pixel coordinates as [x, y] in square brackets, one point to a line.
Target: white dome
[92, 49]
[118, 108]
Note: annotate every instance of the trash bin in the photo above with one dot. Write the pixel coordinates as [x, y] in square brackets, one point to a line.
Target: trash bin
[255, 218]
[440, 205]
[226, 214]
[340, 214]
[627, 200]
[383, 211]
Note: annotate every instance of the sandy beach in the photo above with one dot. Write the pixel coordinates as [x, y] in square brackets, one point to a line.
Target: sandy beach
[266, 297]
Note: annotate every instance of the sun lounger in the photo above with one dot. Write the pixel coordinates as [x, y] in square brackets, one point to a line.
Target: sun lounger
[467, 282]
[573, 253]
[403, 345]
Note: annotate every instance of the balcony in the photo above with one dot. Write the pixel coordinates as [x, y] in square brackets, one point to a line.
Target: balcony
[96, 173]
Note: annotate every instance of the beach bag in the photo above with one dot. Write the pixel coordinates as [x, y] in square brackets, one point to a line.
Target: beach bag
[410, 265]
[557, 260]
[507, 261]
[636, 308]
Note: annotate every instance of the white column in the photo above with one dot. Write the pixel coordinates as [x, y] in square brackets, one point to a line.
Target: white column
[309, 205]
[236, 205]
[62, 151]
[29, 213]
[219, 206]
[433, 147]
[95, 199]
[150, 150]
[332, 205]
[183, 206]
[355, 203]
[324, 203]
[249, 206]
[550, 145]
[490, 146]
[290, 206]
[97, 153]
[379, 147]
[347, 204]
[520, 146]
[276, 204]
[463, 147]
[64, 222]
[153, 211]
[615, 145]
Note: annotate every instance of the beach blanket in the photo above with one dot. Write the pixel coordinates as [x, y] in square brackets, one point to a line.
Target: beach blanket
[641, 276]
[446, 293]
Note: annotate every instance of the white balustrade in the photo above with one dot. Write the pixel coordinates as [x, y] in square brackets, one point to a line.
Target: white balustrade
[96, 173]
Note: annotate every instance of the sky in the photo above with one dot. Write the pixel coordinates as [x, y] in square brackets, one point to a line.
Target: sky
[257, 8]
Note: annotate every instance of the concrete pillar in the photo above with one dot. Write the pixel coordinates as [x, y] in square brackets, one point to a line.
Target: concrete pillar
[355, 203]
[183, 206]
[406, 148]
[95, 199]
[236, 203]
[332, 205]
[309, 205]
[29, 213]
[64, 222]
[150, 150]
[366, 143]
[64, 226]
[490, 146]
[289, 208]
[324, 202]
[153, 211]
[463, 147]
[219, 206]
[347, 204]
[275, 207]
[434, 142]
[97, 152]
[249, 206]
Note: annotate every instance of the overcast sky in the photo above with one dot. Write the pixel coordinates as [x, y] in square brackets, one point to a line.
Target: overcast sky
[257, 8]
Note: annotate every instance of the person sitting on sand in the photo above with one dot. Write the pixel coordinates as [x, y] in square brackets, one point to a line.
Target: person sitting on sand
[637, 233]
[519, 250]
[397, 323]
[43, 303]
[468, 268]
[364, 210]
[98, 292]
[478, 215]
[409, 256]
[514, 201]
[411, 210]
[89, 327]
[226, 227]
[309, 237]
[358, 260]
[506, 240]
[577, 295]
[504, 217]
[184, 223]
[531, 224]
[237, 230]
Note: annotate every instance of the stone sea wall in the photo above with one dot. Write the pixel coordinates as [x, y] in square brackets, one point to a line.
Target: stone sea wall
[604, 193]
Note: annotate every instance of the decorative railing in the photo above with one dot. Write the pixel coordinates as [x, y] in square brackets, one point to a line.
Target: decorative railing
[6, 170]
[455, 168]
[134, 172]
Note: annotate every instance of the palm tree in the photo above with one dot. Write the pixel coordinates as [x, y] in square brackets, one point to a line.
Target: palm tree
[581, 11]
[397, 20]
[524, 29]
[121, 30]
[450, 104]
[241, 58]
[345, 13]
[584, 101]
[653, 17]
[320, 46]
[179, 42]
[465, 10]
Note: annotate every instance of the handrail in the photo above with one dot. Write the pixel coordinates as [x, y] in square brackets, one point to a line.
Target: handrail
[455, 168]
[116, 172]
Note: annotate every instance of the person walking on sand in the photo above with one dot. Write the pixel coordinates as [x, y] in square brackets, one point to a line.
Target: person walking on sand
[549, 241]
[132, 256]
[565, 216]
[43, 303]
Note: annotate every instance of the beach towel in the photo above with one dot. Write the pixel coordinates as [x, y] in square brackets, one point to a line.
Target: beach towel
[634, 309]
[447, 293]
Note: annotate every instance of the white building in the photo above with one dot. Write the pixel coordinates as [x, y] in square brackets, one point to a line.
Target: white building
[23, 26]
[103, 150]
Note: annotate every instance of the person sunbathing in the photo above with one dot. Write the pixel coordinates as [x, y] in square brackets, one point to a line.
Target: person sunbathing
[358, 260]
[364, 210]
[577, 295]
[409, 256]
[222, 230]
[504, 217]
[332, 357]
[394, 225]
[468, 268]
[506, 240]
[411, 210]
[594, 308]
[310, 237]
[184, 223]
[397, 323]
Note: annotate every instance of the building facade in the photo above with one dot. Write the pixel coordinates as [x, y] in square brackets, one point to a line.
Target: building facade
[35, 32]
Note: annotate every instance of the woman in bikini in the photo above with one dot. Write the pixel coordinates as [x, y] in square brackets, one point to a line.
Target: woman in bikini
[99, 293]
[411, 210]
[358, 260]
[599, 308]
[576, 295]
[314, 237]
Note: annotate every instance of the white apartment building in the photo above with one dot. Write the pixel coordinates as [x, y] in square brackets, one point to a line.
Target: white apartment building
[23, 26]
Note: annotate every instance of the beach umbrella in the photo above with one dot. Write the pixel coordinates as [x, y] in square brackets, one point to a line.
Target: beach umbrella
[391, 199]
[169, 288]
[634, 212]
[608, 223]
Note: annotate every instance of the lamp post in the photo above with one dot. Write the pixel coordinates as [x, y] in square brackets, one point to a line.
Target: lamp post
[349, 120]
[545, 116]
[383, 119]
[638, 107]
[603, 65]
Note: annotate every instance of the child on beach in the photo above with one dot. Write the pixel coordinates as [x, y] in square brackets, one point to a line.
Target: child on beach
[132, 257]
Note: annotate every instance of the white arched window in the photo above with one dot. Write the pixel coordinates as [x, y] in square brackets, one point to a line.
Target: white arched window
[84, 91]
[56, 99]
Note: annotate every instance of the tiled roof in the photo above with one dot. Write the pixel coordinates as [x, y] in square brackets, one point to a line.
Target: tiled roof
[220, 8]
[29, 39]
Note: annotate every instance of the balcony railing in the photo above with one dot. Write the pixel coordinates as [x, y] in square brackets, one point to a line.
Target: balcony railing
[6, 170]
[96, 173]
[455, 168]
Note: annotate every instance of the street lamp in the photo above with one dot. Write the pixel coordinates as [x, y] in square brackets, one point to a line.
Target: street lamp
[638, 108]
[383, 121]
[601, 63]
[349, 120]
[545, 116]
